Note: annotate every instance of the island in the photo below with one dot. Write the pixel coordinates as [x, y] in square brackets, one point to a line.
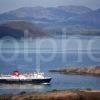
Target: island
[78, 70]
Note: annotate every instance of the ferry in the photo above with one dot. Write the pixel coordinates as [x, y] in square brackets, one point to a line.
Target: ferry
[17, 77]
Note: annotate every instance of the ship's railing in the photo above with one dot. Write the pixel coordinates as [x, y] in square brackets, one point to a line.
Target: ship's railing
[27, 75]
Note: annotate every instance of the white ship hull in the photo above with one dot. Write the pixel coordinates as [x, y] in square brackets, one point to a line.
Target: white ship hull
[16, 78]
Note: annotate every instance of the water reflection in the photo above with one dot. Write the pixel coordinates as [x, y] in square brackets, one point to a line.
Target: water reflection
[16, 88]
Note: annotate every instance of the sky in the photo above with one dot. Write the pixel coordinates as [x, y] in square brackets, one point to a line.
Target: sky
[6, 5]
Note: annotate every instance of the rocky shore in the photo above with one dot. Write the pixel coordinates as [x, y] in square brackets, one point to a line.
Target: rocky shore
[55, 95]
[78, 70]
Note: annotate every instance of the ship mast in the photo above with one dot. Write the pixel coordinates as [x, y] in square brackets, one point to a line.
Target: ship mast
[37, 62]
[37, 55]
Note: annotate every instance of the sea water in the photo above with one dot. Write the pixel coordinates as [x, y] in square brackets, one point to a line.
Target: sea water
[60, 57]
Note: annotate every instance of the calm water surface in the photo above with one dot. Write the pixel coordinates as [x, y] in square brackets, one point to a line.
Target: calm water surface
[26, 62]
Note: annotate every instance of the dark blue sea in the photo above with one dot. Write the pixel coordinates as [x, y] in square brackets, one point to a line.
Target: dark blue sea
[73, 52]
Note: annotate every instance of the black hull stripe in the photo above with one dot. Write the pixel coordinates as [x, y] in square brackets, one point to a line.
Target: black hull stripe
[25, 81]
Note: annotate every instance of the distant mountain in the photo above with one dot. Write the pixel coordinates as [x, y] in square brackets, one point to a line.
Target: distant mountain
[51, 13]
[89, 19]
[19, 29]
[33, 13]
[75, 9]
[75, 19]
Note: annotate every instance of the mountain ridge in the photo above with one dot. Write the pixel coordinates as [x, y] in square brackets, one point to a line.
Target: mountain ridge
[21, 29]
[43, 12]
[76, 19]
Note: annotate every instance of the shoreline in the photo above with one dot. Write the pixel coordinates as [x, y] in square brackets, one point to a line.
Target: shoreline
[71, 94]
[78, 70]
